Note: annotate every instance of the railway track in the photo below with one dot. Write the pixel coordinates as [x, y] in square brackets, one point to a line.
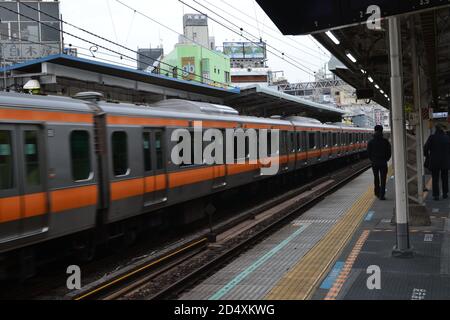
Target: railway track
[168, 275]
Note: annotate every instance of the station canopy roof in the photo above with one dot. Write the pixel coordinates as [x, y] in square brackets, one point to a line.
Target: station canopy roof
[34, 66]
[256, 100]
[370, 48]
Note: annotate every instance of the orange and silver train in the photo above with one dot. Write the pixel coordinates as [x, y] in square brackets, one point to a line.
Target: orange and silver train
[87, 169]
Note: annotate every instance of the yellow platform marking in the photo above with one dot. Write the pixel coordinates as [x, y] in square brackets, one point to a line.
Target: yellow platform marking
[343, 276]
[300, 283]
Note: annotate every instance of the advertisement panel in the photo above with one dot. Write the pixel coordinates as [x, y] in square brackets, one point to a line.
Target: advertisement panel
[188, 66]
[245, 50]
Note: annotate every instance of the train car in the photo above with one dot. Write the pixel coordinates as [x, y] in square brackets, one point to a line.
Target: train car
[87, 170]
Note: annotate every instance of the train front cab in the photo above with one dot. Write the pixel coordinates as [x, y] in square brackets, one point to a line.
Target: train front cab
[48, 178]
[24, 211]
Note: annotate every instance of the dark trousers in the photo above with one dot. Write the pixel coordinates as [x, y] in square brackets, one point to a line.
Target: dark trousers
[437, 175]
[380, 174]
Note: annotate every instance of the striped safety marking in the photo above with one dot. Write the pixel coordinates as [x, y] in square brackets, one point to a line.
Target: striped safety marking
[343, 276]
[303, 279]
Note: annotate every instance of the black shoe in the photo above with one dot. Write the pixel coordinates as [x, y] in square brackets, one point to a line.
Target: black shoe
[446, 196]
[436, 198]
[383, 198]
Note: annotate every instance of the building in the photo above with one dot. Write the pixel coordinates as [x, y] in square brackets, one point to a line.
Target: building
[196, 31]
[195, 58]
[149, 59]
[192, 62]
[29, 30]
[248, 63]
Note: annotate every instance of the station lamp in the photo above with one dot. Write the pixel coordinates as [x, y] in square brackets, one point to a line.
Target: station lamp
[332, 37]
[351, 57]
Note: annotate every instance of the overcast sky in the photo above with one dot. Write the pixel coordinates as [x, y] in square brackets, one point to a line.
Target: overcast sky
[114, 21]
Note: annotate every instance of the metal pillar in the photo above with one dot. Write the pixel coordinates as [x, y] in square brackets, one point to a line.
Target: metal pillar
[402, 249]
[5, 85]
[419, 118]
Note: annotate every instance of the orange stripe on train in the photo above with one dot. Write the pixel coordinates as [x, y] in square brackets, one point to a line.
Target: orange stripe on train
[32, 115]
[9, 209]
[69, 199]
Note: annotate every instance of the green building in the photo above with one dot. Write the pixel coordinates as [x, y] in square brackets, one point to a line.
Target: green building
[193, 62]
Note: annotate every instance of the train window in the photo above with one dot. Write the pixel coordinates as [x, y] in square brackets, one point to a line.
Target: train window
[120, 153]
[269, 143]
[33, 173]
[247, 147]
[80, 155]
[324, 140]
[147, 151]
[159, 150]
[292, 139]
[312, 140]
[6, 161]
[283, 143]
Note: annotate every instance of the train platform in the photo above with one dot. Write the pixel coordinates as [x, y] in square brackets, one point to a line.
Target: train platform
[341, 249]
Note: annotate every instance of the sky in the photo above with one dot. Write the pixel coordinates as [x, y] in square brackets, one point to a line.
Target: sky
[114, 21]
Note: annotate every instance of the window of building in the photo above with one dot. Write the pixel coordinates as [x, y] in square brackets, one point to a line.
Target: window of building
[51, 10]
[120, 153]
[50, 31]
[6, 161]
[8, 15]
[80, 155]
[28, 14]
[227, 77]
[32, 167]
[14, 30]
[29, 31]
[4, 31]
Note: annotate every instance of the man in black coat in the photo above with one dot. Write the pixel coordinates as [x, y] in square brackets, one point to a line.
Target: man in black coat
[379, 150]
[437, 149]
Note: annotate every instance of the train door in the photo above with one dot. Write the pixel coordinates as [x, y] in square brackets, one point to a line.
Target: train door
[23, 193]
[154, 167]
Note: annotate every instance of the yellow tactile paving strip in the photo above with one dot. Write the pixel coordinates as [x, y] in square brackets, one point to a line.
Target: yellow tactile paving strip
[343, 276]
[301, 282]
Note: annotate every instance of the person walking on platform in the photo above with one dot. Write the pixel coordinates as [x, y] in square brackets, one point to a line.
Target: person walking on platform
[379, 151]
[437, 149]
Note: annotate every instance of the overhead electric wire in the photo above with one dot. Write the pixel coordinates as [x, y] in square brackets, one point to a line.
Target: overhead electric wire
[52, 47]
[269, 34]
[166, 27]
[107, 40]
[272, 29]
[231, 29]
[251, 35]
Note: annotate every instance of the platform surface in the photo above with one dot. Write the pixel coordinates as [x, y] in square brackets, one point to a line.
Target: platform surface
[327, 252]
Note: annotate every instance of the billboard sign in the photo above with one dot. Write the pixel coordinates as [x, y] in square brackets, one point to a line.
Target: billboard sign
[20, 51]
[245, 50]
[306, 17]
[188, 66]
